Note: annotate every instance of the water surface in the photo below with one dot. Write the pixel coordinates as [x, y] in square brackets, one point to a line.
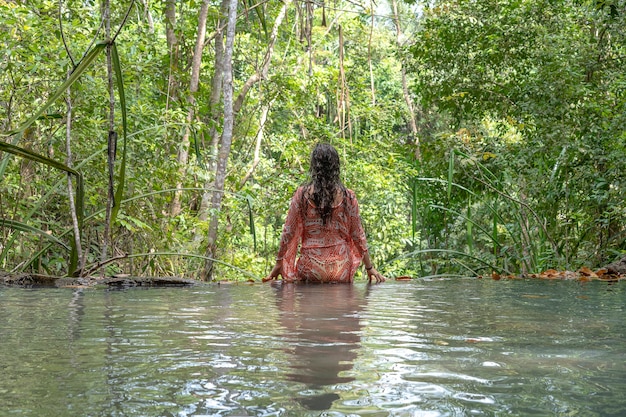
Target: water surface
[456, 347]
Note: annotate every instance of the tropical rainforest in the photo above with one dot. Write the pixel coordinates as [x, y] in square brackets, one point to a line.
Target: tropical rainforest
[167, 138]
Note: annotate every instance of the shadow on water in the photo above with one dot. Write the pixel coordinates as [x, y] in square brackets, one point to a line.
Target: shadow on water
[323, 334]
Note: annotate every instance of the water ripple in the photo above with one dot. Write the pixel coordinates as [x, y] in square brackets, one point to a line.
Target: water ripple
[422, 348]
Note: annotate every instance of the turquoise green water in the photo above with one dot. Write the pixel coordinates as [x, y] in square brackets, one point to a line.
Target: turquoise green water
[458, 347]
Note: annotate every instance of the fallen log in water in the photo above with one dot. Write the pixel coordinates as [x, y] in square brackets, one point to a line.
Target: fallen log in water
[40, 280]
[127, 282]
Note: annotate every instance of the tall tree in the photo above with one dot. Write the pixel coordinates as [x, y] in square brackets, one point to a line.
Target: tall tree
[405, 88]
[70, 186]
[183, 148]
[343, 93]
[262, 72]
[225, 142]
[173, 49]
[112, 134]
[214, 110]
[78, 255]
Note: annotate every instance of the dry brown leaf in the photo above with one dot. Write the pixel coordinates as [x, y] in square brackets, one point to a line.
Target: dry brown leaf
[587, 272]
[404, 278]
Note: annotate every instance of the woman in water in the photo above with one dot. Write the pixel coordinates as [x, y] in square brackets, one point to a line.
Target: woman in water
[323, 220]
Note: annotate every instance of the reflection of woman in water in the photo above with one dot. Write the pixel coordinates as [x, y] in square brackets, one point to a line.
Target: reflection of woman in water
[324, 219]
[322, 324]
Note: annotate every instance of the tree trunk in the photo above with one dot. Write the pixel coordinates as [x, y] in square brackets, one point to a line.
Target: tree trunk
[112, 137]
[369, 55]
[70, 187]
[183, 150]
[214, 100]
[227, 136]
[261, 73]
[148, 14]
[405, 88]
[343, 102]
[172, 46]
[257, 146]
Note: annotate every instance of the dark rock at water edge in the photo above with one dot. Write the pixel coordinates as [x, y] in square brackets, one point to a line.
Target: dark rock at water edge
[617, 267]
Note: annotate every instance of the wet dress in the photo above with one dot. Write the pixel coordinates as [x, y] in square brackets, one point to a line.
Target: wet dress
[329, 252]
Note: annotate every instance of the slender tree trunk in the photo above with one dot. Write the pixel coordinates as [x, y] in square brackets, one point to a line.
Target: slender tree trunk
[258, 76]
[112, 137]
[227, 136]
[215, 111]
[27, 168]
[257, 146]
[308, 32]
[343, 105]
[183, 150]
[172, 45]
[405, 88]
[369, 55]
[70, 187]
[261, 73]
[148, 14]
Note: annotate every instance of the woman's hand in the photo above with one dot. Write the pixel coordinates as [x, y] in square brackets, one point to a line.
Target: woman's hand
[373, 273]
[276, 271]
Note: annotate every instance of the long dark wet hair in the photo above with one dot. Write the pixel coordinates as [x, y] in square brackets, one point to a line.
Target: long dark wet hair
[324, 183]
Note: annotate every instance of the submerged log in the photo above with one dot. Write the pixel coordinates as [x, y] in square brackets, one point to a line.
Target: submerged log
[127, 282]
[42, 281]
[27, 280]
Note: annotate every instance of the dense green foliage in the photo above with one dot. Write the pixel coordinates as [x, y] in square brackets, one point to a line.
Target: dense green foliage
[535, 93]
[520, 109]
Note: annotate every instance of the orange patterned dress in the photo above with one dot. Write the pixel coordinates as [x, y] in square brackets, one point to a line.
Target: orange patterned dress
[328, 253]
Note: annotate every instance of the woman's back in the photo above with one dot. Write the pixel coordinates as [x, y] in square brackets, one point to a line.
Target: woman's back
[331, 251]
[324, 218]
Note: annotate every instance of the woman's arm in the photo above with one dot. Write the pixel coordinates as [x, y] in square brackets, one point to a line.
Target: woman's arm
[371, 271]
[289, 242]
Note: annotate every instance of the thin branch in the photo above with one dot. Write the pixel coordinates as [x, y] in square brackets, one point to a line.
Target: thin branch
[119, 29]
[67, 49]
[214, 34]
[93, 41]
[222, 27]
[261, 74]
[257, 147]
[93, 268]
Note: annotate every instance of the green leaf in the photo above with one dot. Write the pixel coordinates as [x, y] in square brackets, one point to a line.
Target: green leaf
[22, 227]
[80, 192]
[259, 12]
[119, 193]
[78, 71]
[35, 157]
